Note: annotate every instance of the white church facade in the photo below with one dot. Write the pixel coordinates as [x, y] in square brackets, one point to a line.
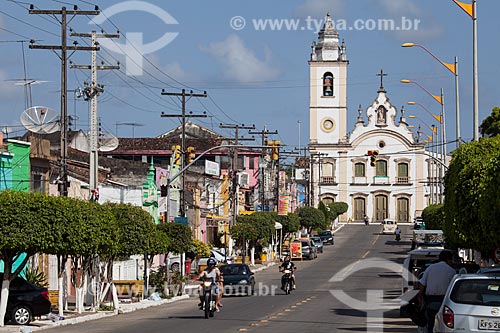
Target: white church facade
[396, 186]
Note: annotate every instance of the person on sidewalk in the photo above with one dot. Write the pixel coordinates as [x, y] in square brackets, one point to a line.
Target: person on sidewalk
[288, 264]
[365, 219]
[434, 284]
[213, 272]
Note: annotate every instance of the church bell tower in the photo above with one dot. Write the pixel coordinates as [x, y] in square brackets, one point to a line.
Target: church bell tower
[328, 87]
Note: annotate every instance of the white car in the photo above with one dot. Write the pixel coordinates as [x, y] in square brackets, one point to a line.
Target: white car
[471, 304]
[388, 226]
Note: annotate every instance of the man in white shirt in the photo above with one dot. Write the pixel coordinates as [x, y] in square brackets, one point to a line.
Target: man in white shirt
[435, 282]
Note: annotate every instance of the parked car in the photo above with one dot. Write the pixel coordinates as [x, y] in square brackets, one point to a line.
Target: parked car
[318, 243]
[491, 270]
[309, 251]
[175, 260]
[415, 263]
[388, 226]
[238, 279]
[326, 236]
[25, 301]
[471, 304]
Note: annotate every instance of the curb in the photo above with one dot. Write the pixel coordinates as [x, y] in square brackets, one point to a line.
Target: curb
[72, 321]
[129, 308]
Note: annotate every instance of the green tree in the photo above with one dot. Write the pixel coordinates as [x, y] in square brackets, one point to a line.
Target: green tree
[311, 218]
[180, 237]
[472, 196]
[25, 228]
[433, 216]
[491, 125]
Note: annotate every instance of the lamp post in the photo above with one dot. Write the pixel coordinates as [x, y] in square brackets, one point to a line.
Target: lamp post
[438, 118]
[470, 9]
[434, 153]
[440, 100]
[453, 68]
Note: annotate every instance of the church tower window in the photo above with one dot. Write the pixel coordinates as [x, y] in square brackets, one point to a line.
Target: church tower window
[328, 84]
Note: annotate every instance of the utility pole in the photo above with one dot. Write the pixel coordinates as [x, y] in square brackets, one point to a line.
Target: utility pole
[262, 179]
[307, 175]
[92, 92]
[183, 116]
[234, 184]
[63, 56]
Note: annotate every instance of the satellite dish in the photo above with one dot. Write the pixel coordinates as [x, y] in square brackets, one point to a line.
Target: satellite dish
[41, 120]
[106, 142]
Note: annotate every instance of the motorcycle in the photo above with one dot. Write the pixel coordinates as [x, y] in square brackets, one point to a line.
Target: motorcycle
[286, 281]
[209, 300]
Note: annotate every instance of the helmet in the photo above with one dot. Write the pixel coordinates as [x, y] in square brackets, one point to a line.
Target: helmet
[211, 263]
[287, 258]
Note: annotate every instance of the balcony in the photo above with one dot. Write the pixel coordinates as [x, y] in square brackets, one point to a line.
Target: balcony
[402, 180]
[327, 180]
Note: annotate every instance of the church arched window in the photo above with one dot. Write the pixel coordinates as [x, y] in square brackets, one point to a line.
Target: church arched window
[328, 84]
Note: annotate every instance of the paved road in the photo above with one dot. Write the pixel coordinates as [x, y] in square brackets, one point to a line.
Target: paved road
[360, 261]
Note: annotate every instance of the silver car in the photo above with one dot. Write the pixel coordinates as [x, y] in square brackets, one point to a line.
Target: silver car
[471, 304]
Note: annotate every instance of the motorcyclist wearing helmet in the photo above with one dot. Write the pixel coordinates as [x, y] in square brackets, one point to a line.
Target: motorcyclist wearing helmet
[288, 264]
[213, 272]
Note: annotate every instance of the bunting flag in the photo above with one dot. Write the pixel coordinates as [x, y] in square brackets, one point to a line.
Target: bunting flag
[467, 7]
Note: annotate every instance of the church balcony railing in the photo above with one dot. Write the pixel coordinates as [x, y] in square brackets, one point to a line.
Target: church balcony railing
[402, 180]
[327, 180]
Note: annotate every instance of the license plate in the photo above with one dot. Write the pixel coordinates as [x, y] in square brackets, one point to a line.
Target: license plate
[486, 324]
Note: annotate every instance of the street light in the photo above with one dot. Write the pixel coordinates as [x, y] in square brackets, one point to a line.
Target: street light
[470, 9]
[434, 150]
[433, 128]
[440, 100]
[438, 118]
[453, 68]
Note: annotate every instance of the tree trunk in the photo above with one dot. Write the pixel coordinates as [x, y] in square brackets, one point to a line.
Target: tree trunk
[4, 295]
[3, 301]
[61, 269]
[252, 256]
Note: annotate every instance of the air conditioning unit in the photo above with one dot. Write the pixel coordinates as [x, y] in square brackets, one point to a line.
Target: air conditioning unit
[243, 179]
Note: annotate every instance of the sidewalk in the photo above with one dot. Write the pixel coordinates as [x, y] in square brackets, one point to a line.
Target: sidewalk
[71, 318]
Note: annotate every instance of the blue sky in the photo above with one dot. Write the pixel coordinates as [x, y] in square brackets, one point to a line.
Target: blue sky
[253, 76]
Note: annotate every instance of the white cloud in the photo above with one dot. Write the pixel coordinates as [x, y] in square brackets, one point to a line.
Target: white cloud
[239, 63]
[400, 8]
[8, 88]
[427, 27]
[176, 71]
[319, 8]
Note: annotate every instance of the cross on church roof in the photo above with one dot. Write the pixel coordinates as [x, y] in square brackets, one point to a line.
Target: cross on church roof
[381, 74]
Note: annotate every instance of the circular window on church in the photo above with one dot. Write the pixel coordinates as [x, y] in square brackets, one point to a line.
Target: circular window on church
[381, 144]
[328, 125]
